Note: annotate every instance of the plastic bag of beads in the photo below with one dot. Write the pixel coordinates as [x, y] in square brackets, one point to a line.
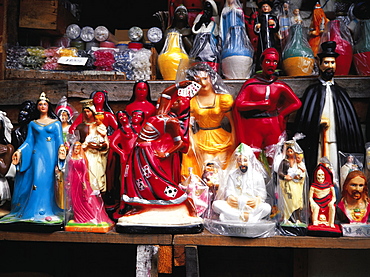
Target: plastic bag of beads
[104, 59]
[14, 56]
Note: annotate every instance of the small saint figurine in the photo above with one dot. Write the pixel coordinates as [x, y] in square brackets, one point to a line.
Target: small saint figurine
[322, 200]
[354, 206]
[350, 165]
[292, 176]
[66, 114]
[267, 27]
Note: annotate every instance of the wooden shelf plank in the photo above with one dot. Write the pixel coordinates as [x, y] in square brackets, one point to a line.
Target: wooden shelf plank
[208, 239]
[80, 237]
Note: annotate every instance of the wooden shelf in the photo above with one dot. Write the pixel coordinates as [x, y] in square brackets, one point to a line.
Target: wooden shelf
[80, 237]
[208, 239]
[203, 239]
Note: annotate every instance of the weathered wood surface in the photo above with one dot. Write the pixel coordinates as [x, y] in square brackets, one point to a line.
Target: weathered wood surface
[207, 239]
[81, 237]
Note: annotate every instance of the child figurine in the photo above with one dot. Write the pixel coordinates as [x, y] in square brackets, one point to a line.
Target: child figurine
[296, 18]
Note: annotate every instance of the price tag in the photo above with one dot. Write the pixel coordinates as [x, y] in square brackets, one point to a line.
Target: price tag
[73, 60]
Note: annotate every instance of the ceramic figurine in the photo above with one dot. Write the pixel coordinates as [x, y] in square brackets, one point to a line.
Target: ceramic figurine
[101, 104]
[26, 114]
[194, 7]
[322, 200]
[66, 114]
[122, 142]
[317, 27]
[351, 164]
[327, 117]
[154, 201]
[336, 30]
[206, 47]
[33, 200]
[297, 56]
[181, 25]
[96, 146]
[267, 27]
[85, 211]
[231, 15]
[292, 201]
[284, 17]
[209, 108]
[6, 152]
[296, 18]
[353, 208]
[241, 201]
[263, 105]
[141, 99]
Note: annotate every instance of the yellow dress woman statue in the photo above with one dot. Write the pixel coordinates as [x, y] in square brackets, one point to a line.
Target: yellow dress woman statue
[212, 139]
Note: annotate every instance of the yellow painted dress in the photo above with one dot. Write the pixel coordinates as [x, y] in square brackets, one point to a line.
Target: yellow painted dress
[211, 138]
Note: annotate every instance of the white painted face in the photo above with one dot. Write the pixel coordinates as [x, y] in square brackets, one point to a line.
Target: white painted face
[320, 176]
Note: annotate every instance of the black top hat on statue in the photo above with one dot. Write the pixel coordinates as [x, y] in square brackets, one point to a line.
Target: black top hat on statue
[328, 49]
[270, 3]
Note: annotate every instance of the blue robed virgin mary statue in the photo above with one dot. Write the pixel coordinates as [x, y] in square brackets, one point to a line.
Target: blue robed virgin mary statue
[34, 198]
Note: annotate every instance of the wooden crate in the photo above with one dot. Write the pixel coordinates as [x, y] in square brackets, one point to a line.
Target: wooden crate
[48, 15]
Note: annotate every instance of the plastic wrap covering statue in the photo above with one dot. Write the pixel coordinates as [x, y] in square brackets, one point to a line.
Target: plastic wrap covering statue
[6, 152]
[240, 208]
[263, 105]
[292, 190]
[206, 46]
[336, 30]
[141, 100]
[26, 114]
[231, 15]
[348, 163]
[353, 208]
[198, 191]
[85, 210]
[284, 17]
[34, 200]
[322, 198]
[327, 117]
[171, 55]
[152, 195]
[210, 140]
[317, 27]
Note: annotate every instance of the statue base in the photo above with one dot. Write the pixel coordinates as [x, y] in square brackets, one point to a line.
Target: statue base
[72, 226]
[356, 230]
[262, 229]
[324, 231]
[31, 227]
[293, 229]
[155, 219]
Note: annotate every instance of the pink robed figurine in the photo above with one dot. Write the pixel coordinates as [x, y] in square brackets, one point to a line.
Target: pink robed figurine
[88, 208]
